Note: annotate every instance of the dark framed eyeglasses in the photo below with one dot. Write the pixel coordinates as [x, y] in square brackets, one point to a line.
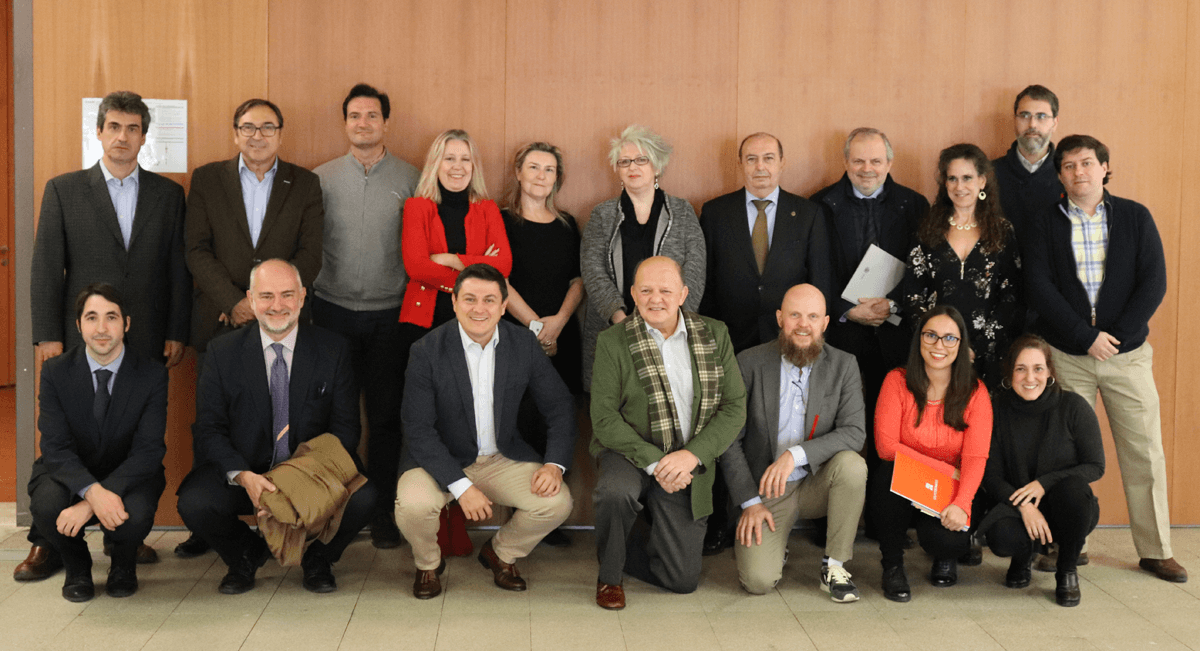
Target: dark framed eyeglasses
[267, 130]
[639, 161]
[930, 337]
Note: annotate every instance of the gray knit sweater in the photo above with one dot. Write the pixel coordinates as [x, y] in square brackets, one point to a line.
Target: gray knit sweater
[678, 237]
[362, 269]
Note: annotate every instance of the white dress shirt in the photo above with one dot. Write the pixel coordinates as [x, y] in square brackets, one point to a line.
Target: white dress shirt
[677, 359]
[793, 409]
[752, 213]
[256, 195]
[481, 366]
[124, 195]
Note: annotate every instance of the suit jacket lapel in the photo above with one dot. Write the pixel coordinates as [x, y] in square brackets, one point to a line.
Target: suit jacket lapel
[102, 203]
[232, 182]
[786, 229]
[505, 358]
[818, 388]
[303, 362]
[743, 242]
[457, 358]
[279, 192]
[254, 370]
[81, 385]
[119, 399]
[147, 201]
[770, 398]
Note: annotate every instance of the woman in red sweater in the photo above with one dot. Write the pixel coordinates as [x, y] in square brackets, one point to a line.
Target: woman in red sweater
[937, 407]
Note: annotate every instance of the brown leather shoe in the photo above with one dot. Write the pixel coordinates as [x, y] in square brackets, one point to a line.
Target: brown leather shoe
[428, 585]
[610, 597]
[504, 574]
[145, 553]
[41, 563]
[1166, 569]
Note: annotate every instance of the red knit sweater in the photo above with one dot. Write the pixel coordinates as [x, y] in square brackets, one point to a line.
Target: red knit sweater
[895, 422]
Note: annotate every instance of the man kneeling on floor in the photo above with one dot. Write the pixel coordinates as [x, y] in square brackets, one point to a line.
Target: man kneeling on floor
[463, 385]
[103, 417]
[798, 455]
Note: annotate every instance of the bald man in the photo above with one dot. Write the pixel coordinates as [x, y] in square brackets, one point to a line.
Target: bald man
[667, 400]
[798, 454]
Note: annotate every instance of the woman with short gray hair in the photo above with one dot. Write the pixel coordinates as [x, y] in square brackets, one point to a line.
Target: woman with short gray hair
[642, 222]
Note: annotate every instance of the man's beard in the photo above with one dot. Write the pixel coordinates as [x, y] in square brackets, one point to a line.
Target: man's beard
[800, 356]
[1033, 143]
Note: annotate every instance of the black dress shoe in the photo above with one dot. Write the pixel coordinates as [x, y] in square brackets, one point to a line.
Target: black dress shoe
[122, 581]
[79, 587]
[192, 547]
[240, 577]
[895, 584]
[1020, 571]
[41, 563]
[1066, 588]
[557, 538]
[973, 557]
[717, 541]
[944, 573]
[318, 573]
[384, 532]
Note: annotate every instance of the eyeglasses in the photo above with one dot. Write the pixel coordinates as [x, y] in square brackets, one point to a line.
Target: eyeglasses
[1040, 117]
[267, 130]
[639, 161]
[930, 337]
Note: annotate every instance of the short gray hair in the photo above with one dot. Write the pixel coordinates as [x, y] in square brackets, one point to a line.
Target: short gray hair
[649, 143]
[868, 131]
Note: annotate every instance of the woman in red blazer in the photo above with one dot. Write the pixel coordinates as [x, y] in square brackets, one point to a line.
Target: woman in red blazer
[448, 225]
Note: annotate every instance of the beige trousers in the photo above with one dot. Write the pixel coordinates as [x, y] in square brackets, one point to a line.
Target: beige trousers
[836, 491]
[419, 501]
[1126, 383]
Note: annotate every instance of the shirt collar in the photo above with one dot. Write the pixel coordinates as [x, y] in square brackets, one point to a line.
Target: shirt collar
[874, 195]
[113, 366]
[108, 176]
[1076, 212]
[270, 173]
[792, 370]
[1034, 166]
[680, 329]
[773, 197]
[289, 342]
[467, 340]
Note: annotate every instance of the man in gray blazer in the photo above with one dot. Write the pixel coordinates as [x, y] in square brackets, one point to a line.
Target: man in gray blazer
[119, 224]
[798, 454]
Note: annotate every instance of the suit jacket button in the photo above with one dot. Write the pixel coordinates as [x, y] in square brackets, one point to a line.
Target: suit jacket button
[418, 303]
[422, 287]
[760, 288]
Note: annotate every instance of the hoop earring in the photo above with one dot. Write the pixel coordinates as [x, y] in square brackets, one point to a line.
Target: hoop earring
[656, 182]
[1050, 383]
[1005, 384]
[622, 185]
[982, 195]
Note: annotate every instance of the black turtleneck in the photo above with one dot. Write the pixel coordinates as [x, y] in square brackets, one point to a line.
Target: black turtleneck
[453, 212]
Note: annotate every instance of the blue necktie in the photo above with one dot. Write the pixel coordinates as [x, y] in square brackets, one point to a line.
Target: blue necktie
[279, 406]
[100, 403]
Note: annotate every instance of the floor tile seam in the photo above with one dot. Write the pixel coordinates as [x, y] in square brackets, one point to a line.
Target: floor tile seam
[258, 619]
[178, 604]
[801, 625]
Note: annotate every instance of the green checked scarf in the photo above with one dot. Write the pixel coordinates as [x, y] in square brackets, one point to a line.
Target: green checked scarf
[647, 360]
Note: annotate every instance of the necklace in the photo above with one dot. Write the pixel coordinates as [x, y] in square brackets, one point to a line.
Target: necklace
[962, 228]
[933, 402]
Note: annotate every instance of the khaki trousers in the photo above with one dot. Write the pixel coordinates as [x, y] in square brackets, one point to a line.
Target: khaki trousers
[1126, 383]
[419, 501]
[836, 491]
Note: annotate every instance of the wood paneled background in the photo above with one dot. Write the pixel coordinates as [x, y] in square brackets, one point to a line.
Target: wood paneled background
[703, 73]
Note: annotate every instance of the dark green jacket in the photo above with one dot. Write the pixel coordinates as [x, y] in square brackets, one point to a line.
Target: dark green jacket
[620, 410]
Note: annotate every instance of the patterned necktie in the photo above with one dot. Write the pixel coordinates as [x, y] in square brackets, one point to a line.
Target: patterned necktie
[100, 404]
[758, 237]
[279, 406]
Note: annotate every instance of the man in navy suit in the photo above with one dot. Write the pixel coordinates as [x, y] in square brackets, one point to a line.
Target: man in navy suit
[103, 417]
[464, 382]
[264, 391]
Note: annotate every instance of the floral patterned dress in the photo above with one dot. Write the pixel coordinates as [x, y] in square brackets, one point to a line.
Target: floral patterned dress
[985, 288]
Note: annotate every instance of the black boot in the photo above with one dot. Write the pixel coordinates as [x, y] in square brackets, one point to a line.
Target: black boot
[1066, 589]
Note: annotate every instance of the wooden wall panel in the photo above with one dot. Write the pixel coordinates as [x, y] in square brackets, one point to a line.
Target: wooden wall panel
[212, 54]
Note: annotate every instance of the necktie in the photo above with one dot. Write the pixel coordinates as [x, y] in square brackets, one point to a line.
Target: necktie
[279, 406]
[870, 228]
[758, 237]
[100, 404]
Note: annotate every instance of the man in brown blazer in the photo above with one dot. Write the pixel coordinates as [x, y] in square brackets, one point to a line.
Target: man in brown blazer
[242, 211]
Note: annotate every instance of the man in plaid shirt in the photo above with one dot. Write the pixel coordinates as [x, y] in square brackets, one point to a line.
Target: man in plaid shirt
[1096, 274]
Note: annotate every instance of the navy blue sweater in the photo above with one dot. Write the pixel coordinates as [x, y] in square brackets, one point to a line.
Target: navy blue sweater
[1135, 279]
[1025, 196]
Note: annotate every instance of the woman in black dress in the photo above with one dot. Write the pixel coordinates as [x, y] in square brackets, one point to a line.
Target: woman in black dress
[967, 257]
[1045, 451]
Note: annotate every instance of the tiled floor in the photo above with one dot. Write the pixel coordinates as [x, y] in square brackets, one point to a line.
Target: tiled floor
[178, 606]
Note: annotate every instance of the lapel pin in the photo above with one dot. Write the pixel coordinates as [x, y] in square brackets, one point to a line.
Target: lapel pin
[793, 213]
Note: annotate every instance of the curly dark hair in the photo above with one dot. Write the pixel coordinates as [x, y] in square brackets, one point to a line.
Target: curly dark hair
[993, 227]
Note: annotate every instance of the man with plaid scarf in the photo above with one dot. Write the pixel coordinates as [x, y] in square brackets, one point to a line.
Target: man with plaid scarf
[667, 400]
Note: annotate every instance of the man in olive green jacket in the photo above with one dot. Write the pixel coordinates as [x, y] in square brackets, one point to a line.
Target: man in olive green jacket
[667, 400]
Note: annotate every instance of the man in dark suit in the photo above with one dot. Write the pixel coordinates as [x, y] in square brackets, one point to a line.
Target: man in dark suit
[240, 212]
[263, 391]
[103, 417]
[761, 240]
[866, 206]
[798, 454]
[119, 224]
[463, 385]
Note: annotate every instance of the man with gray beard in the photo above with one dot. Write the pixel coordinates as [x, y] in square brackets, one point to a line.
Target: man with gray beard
[797, 456]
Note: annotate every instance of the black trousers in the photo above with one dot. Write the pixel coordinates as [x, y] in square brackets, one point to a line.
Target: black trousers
[668, 552]
[378, 358]
[893, 515]
[48, 498]
[1071, 510]
[210, 506]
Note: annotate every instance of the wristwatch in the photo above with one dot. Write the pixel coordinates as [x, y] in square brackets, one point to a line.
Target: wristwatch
[536, 327]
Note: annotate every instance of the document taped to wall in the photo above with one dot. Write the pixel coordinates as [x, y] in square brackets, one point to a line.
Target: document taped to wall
[166, 139]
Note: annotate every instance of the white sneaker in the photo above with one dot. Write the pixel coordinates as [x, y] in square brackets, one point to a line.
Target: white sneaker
[836, 581]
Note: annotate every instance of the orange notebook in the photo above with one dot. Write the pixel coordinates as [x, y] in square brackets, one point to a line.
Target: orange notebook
[929, 483]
